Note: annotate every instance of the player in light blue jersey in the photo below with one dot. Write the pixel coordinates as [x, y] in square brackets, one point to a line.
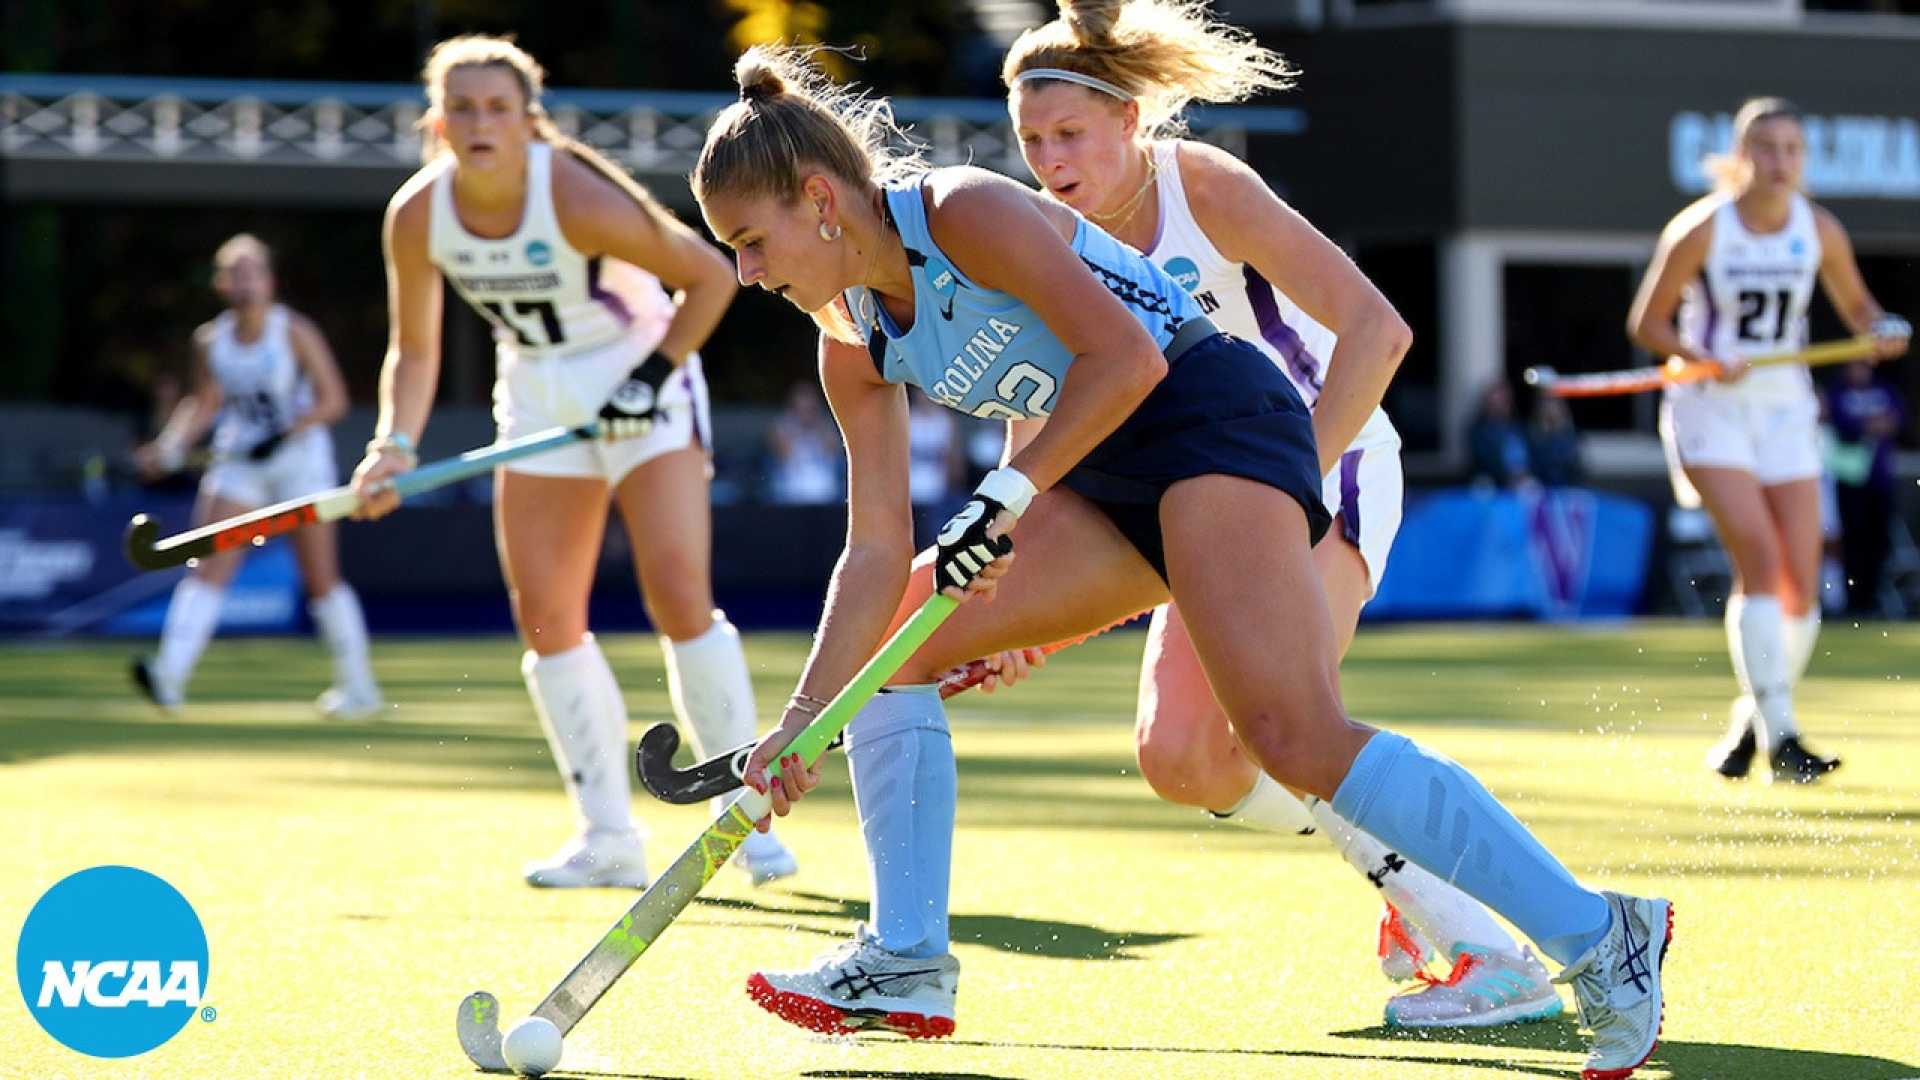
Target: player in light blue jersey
[1177, 462]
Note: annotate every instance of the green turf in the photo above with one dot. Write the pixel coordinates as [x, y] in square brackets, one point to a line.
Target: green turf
[357, 880]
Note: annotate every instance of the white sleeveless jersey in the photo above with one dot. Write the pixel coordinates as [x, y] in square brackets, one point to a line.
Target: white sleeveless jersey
[1241, 302]
[1751, 299]
[543, 297]
[262, 389]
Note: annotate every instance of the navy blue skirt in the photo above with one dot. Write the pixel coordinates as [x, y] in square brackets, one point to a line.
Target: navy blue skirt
[1223, 408]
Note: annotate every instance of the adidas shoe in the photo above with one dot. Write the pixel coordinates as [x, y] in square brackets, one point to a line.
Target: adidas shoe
[765, 858]
[165, 695]
[1616, 985]
[859, 986]
[1403, 952]
[1732, 756]
[1484, 989]
[1795, 764]
[349, 703]
[595, 860]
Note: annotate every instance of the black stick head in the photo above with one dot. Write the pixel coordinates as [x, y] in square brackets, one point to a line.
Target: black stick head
[142, 531]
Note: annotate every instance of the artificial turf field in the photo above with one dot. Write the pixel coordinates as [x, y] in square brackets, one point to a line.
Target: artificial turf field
[357, 880]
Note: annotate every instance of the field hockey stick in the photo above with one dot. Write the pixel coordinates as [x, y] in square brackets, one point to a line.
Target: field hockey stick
[478, 1019]
[258, 526]
[717, 775]
[1676, 370]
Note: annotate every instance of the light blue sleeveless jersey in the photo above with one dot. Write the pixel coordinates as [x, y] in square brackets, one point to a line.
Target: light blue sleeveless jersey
[984, 352]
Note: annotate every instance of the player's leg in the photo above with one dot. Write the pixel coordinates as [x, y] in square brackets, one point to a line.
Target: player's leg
[1793, 509]
[301, 470]
[193, 611]
[548, 528]
[664, 504]
[1240, 569]
[1755, 621]
[1075, 572]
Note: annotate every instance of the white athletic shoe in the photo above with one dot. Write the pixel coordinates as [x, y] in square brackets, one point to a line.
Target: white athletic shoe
[349, 703]
[765, 858]
[859, 986]
[1484, 989]
[595, 860]
[1616, 984]
[1403, 952]
[166, 696]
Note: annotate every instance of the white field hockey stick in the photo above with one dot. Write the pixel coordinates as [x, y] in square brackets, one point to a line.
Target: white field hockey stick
[258, 526]
[478, 1019]
[1677, 370]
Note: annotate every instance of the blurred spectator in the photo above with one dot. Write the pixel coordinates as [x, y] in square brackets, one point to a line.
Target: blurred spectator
[805, 450]
[1553, 446]
[1866, 414]
[936, 465]
[1497, 441]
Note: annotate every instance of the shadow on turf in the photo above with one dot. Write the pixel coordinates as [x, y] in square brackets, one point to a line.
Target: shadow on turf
[1007, 933]
[1684, 1060]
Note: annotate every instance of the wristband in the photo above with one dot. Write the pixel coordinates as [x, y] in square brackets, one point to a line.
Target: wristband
[1009, 487]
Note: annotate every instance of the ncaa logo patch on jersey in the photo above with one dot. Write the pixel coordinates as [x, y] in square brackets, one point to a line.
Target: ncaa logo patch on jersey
[1184, 273]
[112, 961]
[539, 253]
[940, 277]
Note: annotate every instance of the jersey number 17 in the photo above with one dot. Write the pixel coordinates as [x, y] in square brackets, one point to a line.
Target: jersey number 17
[519, 324]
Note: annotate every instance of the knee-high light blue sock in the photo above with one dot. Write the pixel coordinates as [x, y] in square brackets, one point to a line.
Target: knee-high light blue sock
[905, 786]
[1435, 813]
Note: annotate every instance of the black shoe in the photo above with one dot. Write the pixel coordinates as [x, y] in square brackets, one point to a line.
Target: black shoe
[148, 685]
[1733, 759]
[1795, 764]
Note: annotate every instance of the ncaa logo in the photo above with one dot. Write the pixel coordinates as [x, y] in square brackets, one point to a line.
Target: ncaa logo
[940, 277]
[1184, 273]
[112, 961]
[538, 253]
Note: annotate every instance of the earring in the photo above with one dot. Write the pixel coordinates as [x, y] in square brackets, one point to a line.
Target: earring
[830, 233]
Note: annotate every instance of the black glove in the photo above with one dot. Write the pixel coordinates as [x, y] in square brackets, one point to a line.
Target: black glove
[265, 448]
[964, 548]
[635, 404]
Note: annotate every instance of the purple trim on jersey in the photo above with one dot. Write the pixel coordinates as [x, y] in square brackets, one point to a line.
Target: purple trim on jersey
[1713, 313]
[1301, 363]
[612, 300]
[1350, 496]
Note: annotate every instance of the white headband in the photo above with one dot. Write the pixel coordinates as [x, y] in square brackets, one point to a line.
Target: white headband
[1064, 75]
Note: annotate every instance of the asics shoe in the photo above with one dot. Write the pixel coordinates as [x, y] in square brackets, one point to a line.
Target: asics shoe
[765, 858]
[1616, 985]
[1484, 989]
[595, 860]
[1795, 764]
[859, 986]
[1403, 952]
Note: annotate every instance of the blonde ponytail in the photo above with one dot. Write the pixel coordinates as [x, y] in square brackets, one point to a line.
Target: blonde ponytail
[1165, 53]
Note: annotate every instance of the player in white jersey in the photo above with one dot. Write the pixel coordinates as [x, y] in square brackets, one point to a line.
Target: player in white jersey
[266, 383]
[1739, 266]
[571, 261]
[1093, 98]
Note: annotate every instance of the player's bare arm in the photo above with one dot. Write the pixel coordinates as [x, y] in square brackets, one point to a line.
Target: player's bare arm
[411, 369]
[1840, 277]
[1677, 260]
[1005, 237]
[1248, 223]
[600, 219]
[315, 357]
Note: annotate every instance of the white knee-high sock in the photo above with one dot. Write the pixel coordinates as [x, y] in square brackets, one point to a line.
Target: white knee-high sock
[1448, 918]
[192, 614]
[1756, 640]
[1269, 807]
[1801, 632]
[585, 719]
[343, 626]
[711, 691]
[905, 787]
